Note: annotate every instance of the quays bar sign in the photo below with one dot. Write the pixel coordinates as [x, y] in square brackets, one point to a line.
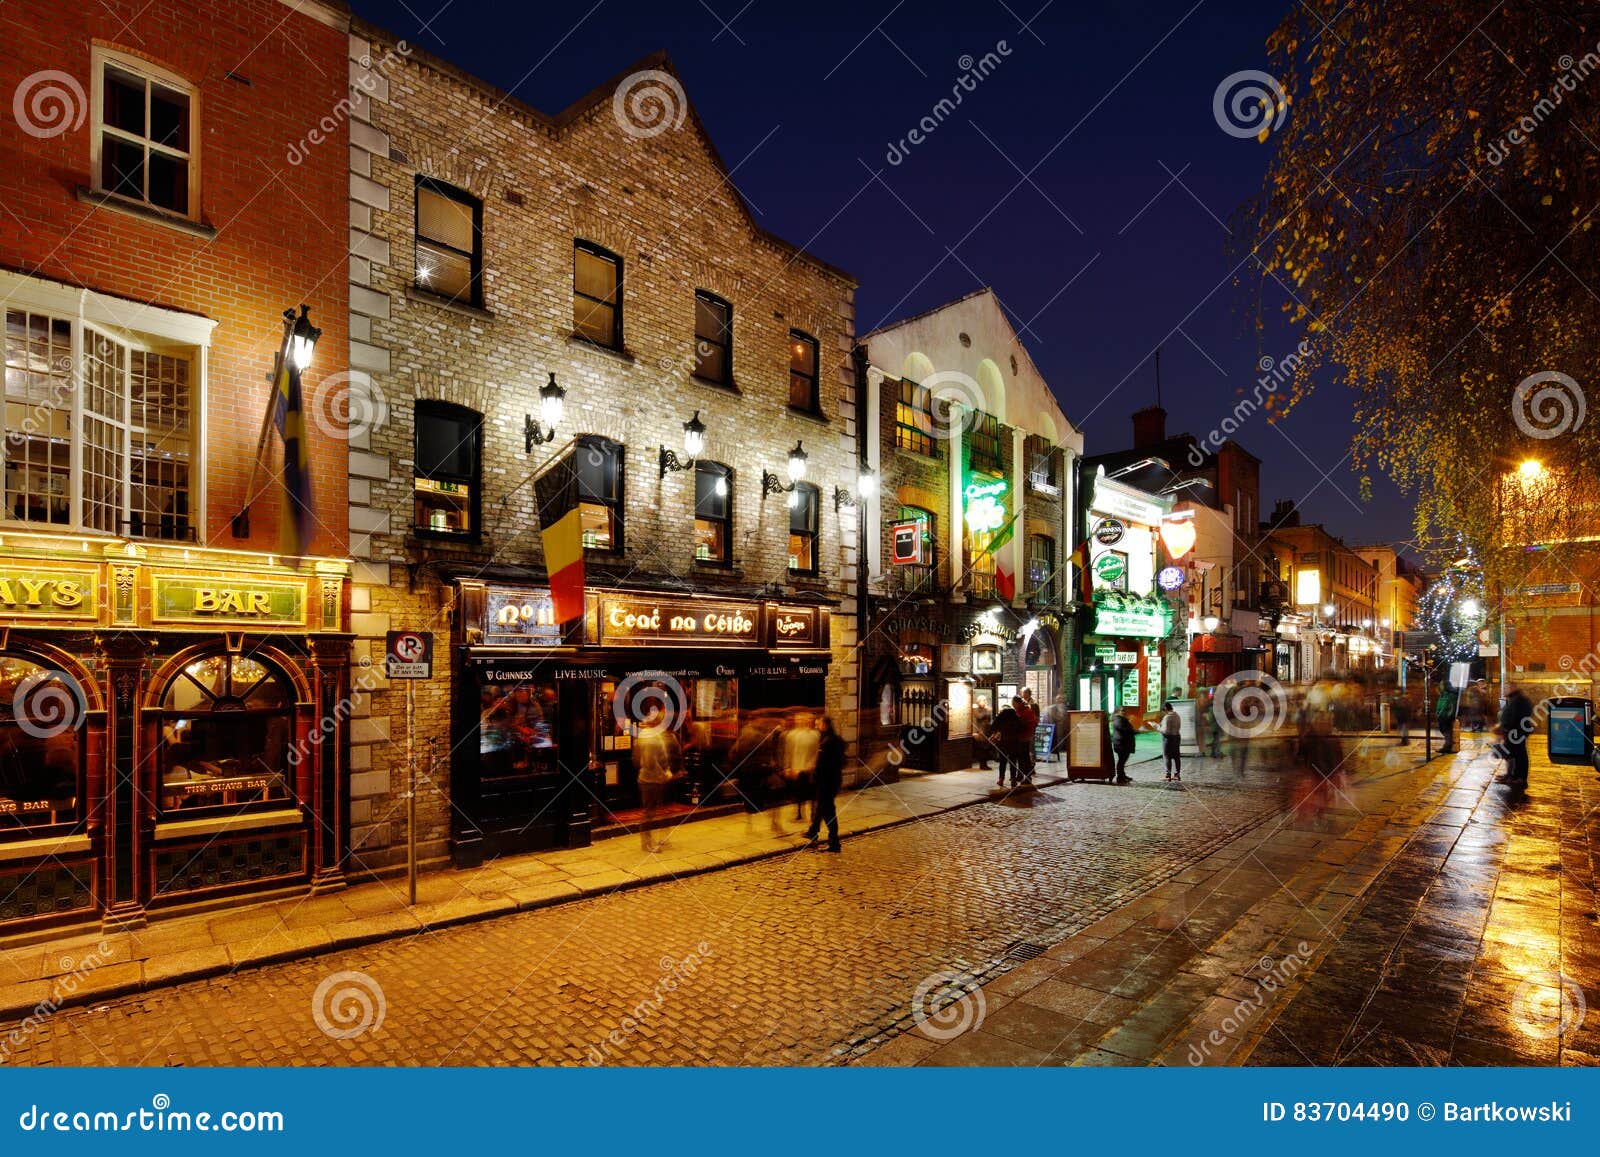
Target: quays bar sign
[638, 622]
[235, 598]
[49, 593]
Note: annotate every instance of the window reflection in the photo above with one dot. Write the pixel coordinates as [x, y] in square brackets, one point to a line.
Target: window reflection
[227, 723]
[40, 722]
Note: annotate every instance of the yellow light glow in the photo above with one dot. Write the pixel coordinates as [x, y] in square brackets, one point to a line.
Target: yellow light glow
[1308, 588]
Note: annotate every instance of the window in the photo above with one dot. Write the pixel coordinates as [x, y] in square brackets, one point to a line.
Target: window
[227, 724]
[913, 418]
[983, 441]
[598, 465]
[981, 563]
[919, 579]
[449, 242]
[713, 339]
[1042, 567]
[803, 393]
[597, 295]
[803, 529]
[39, 765]
[448, 454]
[1044, 464]
[132, 406]
[713, 513]
[144, 135]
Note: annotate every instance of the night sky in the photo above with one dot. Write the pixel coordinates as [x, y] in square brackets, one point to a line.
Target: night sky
[1085, 179]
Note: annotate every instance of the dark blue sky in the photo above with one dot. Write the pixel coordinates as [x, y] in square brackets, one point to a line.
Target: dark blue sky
[1115, 242]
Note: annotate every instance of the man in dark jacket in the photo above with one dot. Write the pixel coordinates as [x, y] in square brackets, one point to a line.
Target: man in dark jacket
[1122, 743]
[826, 782]
[1011, 732]
[1516, 722]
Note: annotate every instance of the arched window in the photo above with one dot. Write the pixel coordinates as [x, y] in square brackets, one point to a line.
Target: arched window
[41, 753]
[226, 731]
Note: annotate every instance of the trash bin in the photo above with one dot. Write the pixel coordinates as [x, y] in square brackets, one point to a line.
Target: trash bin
[1569, 727]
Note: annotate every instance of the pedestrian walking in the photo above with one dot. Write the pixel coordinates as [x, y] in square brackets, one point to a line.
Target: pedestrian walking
[1401, 709]
[1171, 729]
[800, 744]
[1058, 715]
[1122, 743]
[1444, 713]
[982, 721]
[1009, 731]
[1028, 712]
[653, 758]
[1516, 724]
[828, 779]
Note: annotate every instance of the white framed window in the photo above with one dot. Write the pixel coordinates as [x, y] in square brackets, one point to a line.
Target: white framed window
[146, 135]
[103, 413]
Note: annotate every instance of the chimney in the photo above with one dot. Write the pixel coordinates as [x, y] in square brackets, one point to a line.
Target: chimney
[1149, 427]
[1285, 514]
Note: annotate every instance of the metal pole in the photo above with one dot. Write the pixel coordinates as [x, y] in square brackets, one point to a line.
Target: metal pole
[1427, 709]
[411, 790]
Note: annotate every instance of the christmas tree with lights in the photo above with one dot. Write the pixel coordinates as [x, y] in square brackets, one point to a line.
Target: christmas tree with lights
[1452, 608]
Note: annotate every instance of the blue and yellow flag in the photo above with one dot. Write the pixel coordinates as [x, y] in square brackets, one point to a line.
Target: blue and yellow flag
[294, 519]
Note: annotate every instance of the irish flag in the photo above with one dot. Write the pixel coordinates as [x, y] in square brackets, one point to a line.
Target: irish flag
[556, 490]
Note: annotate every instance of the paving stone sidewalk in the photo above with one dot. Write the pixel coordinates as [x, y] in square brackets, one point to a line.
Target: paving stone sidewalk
[1404, 915]
[85, 967]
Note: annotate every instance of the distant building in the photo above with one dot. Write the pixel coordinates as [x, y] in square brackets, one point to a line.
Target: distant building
[1335, 624]
[1400, 585]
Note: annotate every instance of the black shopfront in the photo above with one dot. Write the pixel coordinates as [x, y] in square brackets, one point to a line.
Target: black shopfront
[545, 719]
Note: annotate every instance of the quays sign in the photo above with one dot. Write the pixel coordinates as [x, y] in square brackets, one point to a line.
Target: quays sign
[243, 599]
[49, 593]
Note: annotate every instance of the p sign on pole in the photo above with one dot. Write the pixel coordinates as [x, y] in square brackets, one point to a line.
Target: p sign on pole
[408, 655]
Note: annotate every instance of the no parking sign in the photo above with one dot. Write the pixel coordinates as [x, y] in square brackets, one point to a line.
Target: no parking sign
[409, 655]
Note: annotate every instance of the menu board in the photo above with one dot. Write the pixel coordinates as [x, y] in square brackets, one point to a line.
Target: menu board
[1044, 737]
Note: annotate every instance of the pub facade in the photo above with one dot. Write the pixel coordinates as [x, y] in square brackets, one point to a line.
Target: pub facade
[170, 681]
[583, 291]
[969, 542]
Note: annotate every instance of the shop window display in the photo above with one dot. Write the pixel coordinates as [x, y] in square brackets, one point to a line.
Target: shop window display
[517, 733]
[40, 747]
[226, 729]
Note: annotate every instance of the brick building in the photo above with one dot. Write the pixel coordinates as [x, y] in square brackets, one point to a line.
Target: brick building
[968, 542]
[164, 670]
[502, 258]
[1336, 625]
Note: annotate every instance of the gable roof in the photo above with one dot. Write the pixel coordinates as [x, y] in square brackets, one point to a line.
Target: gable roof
[562, 122]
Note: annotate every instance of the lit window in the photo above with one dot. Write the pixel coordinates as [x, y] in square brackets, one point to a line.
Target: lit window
[913, 419]
[803, 529]
[144, 135]
[983, 442]
[713, 512]
[597, 295]
[803, 393]
[598, 465]
[713, 339]
[40, 767]
[447, 452]
[1042, 567]
[449, 242]
[227, 723]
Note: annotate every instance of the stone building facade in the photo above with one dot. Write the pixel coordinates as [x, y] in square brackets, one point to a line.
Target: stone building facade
[551, 200]
[970, 447]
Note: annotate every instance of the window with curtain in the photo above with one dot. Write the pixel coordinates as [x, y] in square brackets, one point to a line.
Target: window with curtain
[1042, 567]
[449, 258]
[803, 380]
[713, 338]
[918, 579]
[713, 513]
[597, 294]
[144, 135]
[447, 475]
[598, 464]
[803, 529]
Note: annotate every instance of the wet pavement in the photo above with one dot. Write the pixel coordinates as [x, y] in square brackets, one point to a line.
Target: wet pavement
[1396, 914]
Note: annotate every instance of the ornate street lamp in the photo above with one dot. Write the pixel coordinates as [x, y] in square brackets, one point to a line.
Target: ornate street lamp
[302, 337]
[797, 471]
[694, 443]
[866, 487]
[552, 405]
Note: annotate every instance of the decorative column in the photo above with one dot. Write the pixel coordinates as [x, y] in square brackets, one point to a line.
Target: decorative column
[330, 778]
[125, 889]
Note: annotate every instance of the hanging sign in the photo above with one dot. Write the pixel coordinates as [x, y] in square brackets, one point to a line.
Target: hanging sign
[910, 542]
[1178, 537]
[1111, 569]
[1109, 531]
[1170, 578]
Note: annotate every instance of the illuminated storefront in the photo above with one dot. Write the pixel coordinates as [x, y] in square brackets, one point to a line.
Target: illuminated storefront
[545, 723]
[172, 727]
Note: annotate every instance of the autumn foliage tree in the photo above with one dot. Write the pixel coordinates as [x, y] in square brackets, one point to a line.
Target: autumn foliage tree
[1428, 217]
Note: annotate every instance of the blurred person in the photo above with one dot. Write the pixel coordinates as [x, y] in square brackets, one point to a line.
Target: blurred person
[1444, 714]
[829, 778]
[1122, 743]
[982, 721]
[653, 758]
[1400, 707]
[1009, 732]
[1058, 715]
[1170, 728]
[755, 764]
[1516, 724]
[1028, 712]
[800, 745]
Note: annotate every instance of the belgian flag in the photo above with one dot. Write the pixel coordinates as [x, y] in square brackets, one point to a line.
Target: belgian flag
[556, 491]
[289, 415]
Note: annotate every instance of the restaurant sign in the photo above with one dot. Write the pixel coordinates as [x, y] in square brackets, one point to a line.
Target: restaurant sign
[1132, 620]
[627, 621]
[796, 628]
[523, 616]
[49, 592]
[208, 600]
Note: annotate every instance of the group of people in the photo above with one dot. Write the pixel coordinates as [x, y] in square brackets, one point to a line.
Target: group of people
[790, 756]
[1009, 736]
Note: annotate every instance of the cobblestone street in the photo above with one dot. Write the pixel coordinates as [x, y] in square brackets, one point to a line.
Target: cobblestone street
[1104, 925]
